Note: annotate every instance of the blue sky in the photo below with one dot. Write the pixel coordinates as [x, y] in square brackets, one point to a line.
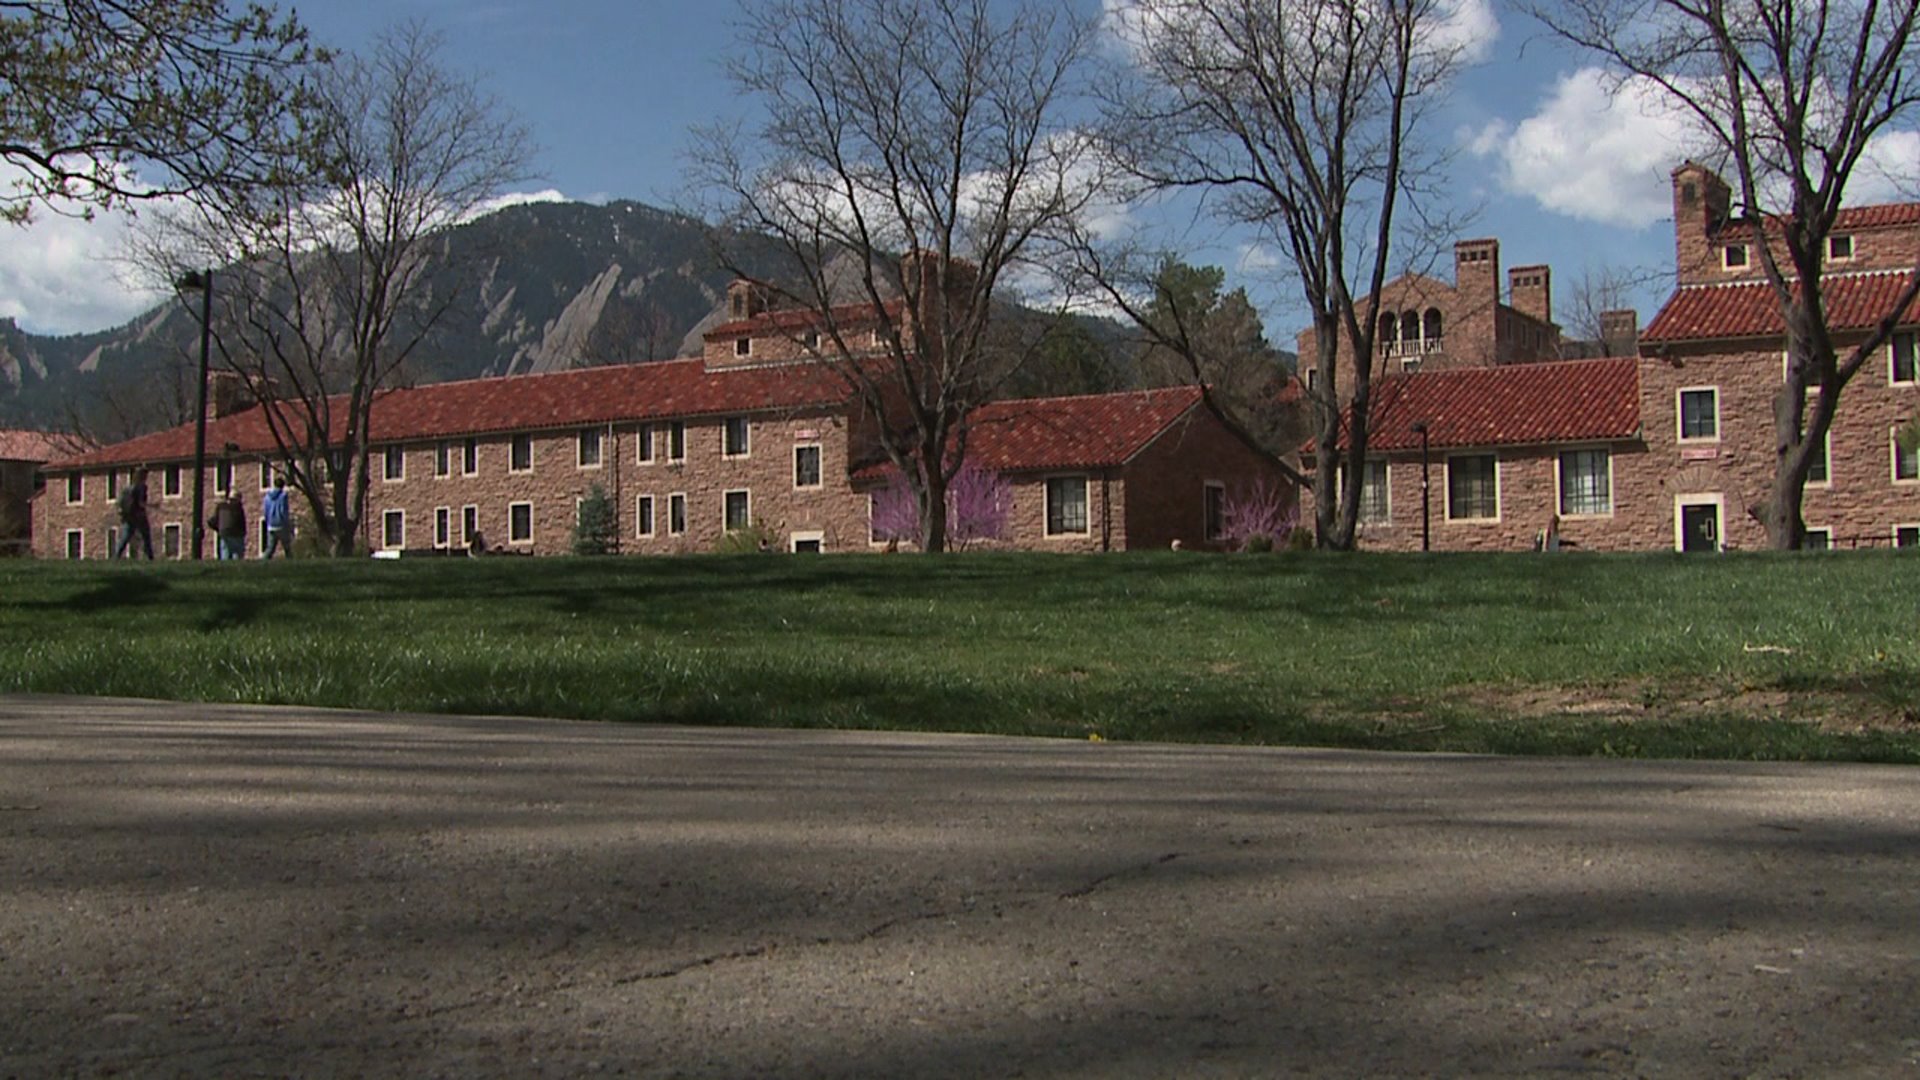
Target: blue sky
[609, 88]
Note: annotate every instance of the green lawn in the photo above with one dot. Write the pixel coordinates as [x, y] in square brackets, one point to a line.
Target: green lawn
[1811, 656]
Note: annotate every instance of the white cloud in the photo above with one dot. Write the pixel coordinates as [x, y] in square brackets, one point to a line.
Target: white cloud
[1469, 26]
[513, 198]
[1889, 171]
[1591, 151]
[1465, 30]
[61, 275]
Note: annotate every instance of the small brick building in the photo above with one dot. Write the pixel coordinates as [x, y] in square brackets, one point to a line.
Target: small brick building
[755, 432]
[22, 453]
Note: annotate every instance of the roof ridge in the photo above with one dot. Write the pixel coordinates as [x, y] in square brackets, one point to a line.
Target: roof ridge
[1825, 275]
[1142, 391]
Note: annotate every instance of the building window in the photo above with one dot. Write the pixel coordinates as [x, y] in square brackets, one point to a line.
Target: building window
[743, 346]
[469, 524]
[589, 448]
[113, 483]
[643, 516]
[1699, 414]
[737, 511]
[1840, 248]
[266, 475]
[1906, 536]
[1473, 488]
[393, 530]
[1586, 483]
[806, 466]
[396, 463]
[442, 459]
[1904, 357]
[522, 460]
[223, 476]
[643, 445]
[1376, 502]
[1818, 540]
[170, 542]
[443, 526]
[170, 482]
[807, 543]
[873, 531]
[676, 514]
[1818, 462]
[733, 437]
[76, 489]
[1067, 506]
[77, 544]
[1213, 511]
[677, 441]
[1734, 256]
[811, 339]
[520, 523]
[470, 457]
[1906, 463]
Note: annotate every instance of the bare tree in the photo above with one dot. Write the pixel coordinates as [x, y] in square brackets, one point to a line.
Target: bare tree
[1301, 120]
[110, 101]
[914, 160]
[1792, 93]
[325, 290]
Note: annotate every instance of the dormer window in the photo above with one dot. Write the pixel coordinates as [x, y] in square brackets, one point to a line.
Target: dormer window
[739, 306]
[811, 339]
[1839, 248]
[1734, 257]
[743, 346]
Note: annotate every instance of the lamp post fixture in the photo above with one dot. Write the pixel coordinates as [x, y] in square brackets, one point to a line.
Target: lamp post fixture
[1426, 511]
[203, 281]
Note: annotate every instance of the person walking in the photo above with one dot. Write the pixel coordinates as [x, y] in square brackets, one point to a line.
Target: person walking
[132, 507]
[230, 527]
[278, 519]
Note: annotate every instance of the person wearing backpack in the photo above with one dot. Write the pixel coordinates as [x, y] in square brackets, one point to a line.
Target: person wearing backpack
[229, 524]
[132, 507]
[278, 519]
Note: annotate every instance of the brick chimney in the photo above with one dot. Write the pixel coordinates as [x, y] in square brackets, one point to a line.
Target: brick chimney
[1476, 285]
[1620, 332]
[1531, 291]
[227, 393]
[1701, 203]
[745, 299]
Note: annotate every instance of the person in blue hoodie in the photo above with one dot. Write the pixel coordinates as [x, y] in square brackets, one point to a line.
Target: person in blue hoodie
[278, 518]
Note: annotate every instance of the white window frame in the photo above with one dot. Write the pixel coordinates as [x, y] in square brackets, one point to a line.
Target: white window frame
[794, 540]
[513, 448]
[171, 482]
[393, 464]
[643, 517]
[1719, 518]
[726, 497]
[873, 503]
[223, 476]
[1207, 488]
[1893, 443]
[1680, 416]
[819, 466]
[1893, 344]
[469, 513]
[387, 519]
[442, 459]
[77, 544]
[1833, 240]
[1386, 473]
[580, 447]
[266, 474]
[643, 445]
[743, 346]
[1046, 506]
[442, 527]
[1895, 534]
[1726, 257]
[511, 507]
[113, 484]
[676, 434]
[1560, 481]
[1446, 489]
[170, 534]
[470, 457]
[746, 438]
[1828, 482]
[76, 489]
[676, 498]
[1824, 530]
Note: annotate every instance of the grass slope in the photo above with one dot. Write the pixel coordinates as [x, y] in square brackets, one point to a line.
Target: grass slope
[1740, 656]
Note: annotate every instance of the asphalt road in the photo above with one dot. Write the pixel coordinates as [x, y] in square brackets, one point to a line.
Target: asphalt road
[193, 890]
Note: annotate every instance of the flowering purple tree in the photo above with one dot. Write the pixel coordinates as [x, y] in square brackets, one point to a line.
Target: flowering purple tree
[979, 506]
[1260, 509]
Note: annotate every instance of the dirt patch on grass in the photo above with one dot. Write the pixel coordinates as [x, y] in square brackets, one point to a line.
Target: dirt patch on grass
[1837, 710]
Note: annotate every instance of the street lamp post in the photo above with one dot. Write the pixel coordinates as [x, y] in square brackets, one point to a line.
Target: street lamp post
[1426, 505]
[203, 281]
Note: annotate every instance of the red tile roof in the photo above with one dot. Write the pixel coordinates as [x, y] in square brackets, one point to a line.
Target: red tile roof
[1748, 309]
[1516, 405]
[1886, 216]
[1092, 431]
[33, 445]
[675, 388]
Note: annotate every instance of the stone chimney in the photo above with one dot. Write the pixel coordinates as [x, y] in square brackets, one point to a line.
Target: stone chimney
[1531, 291]
[1701, 204]
[228, 393]
[745, 299]
[1620, 332]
